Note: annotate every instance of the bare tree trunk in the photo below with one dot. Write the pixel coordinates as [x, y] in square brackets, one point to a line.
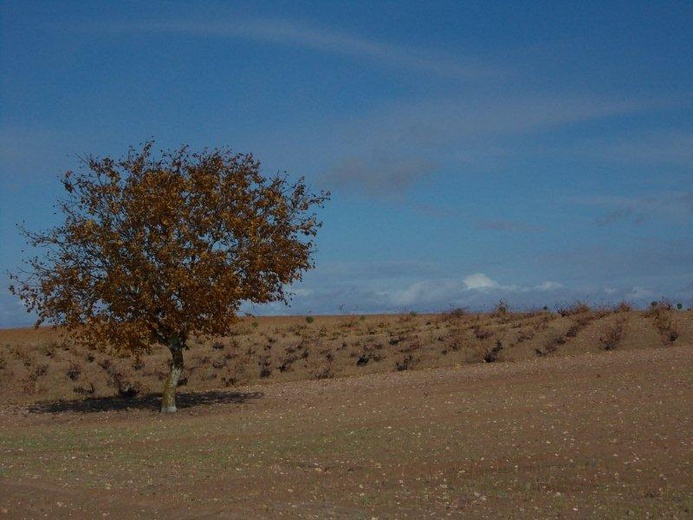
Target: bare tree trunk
[168, 400]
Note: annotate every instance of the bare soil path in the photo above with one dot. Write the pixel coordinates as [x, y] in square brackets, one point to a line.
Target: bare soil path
[605, 435]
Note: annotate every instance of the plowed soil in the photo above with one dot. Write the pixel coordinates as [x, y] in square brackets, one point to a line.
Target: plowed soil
[581, 415]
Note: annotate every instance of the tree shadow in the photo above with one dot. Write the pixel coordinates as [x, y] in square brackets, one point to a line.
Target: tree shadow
[150, 401]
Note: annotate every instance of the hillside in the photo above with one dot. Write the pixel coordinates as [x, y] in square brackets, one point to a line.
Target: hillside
[35, 366]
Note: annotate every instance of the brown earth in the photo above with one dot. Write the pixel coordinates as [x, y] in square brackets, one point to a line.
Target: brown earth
[583, 414]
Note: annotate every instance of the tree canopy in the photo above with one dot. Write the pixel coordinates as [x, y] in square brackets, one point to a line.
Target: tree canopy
[153, 249]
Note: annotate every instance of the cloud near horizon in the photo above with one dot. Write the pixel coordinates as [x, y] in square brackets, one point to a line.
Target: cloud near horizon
[480, 281]
[477, 293]
[398, 294]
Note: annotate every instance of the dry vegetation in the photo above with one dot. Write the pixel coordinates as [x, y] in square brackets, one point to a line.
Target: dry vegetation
[577, 413]
[35, 365]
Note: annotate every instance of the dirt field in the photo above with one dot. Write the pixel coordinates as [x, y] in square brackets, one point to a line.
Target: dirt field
[583, 414]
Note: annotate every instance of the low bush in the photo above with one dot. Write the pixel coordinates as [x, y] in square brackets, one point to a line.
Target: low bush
[624, 306]
[551, 345]
[86, 390]
[406, 363]
[482, 333]
[667, 329]
[611, 336]
[122, 385]
[491, 354]
[74, 370]
[579, 307]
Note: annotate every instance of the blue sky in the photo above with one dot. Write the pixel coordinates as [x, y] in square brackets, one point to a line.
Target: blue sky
[536, 152]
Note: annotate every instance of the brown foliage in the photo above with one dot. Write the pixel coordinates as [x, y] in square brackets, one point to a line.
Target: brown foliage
[154, 249]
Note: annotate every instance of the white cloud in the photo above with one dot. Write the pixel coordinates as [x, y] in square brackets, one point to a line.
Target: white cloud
[549, 286]
[480, 281]
[426, 293]
[639, 293]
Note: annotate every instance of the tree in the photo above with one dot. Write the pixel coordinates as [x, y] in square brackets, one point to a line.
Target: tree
[153, 250]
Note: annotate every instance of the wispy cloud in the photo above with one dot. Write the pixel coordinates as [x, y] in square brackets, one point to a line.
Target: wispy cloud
[509, 226]
[304, 35]
[473, 118]
[371, 153]
[654, 147]
[637, 210]
[374, 151]
[387, 177]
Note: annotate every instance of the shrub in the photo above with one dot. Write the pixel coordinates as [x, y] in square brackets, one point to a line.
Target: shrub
[325, 372]
[37, 372]
[265, 367]
[455, 314]
[662, 305]
[551, 345]
[492, 354]
[363, 360]
[482, 333]
[406, 363]
[286, 363]
[48, 349]
[579, 307]
[524, 335]
[74, 370]
[661, 319]
[624, 306]
[612, 336]
[84, 389]
[501, 308]
[573, 330]
[123, 386]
